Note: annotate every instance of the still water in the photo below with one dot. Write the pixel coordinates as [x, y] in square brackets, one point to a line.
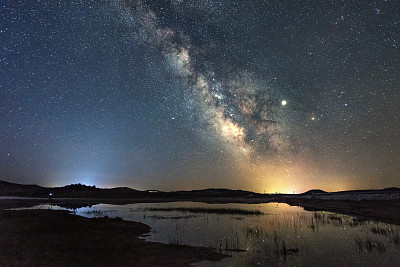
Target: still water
[264, 234]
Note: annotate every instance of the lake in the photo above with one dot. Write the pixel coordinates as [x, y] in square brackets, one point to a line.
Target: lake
[263, 234]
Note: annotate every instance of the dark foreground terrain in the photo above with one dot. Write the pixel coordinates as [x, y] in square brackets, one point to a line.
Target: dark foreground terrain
[57, 238]
[387, 211]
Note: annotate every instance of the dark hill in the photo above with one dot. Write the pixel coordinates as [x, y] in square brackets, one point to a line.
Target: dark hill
[392, 189]
[68, 191]
[84, 191]
[24, 190]
[214, 192]
[313, 191]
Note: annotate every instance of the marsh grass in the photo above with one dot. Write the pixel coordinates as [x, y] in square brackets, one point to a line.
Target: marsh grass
[313, 225]
[370, 245]
[356, 221]
[336, 219]
[160, 217]
[232, 211]
[380, 231]
[175, 241]
[396, 240]
[285, 251]
[254, 232]
[231, 243]
[96, 213]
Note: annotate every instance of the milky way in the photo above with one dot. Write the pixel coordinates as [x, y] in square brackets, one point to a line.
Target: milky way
[240, 109]
[187, 94]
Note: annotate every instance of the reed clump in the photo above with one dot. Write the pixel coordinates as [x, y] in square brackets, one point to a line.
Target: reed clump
[232, 211]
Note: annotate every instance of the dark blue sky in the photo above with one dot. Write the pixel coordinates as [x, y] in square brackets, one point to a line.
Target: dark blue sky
[259, 95]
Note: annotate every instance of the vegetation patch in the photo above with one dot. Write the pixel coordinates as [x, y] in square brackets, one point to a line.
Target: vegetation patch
[234, 211]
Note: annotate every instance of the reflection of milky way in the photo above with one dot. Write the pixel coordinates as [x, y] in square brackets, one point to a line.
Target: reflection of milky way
[240, 109]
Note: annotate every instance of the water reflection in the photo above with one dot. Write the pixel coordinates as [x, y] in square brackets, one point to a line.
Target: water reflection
[264, 234]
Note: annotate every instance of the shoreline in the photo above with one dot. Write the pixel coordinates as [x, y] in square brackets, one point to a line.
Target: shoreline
[386, 211]
[379, 210]
[58, 238]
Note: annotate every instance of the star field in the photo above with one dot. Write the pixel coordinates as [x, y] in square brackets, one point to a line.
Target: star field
[262, 95]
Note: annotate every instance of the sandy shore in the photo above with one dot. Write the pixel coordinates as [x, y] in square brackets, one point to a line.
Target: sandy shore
[57, 238]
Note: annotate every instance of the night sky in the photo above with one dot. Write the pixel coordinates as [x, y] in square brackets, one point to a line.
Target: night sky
[274, 96]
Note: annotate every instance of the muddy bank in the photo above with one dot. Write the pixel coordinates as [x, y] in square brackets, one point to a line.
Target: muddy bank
[380, 210]
[57, 238]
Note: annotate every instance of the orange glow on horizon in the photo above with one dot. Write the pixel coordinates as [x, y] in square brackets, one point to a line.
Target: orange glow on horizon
[287, 177]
